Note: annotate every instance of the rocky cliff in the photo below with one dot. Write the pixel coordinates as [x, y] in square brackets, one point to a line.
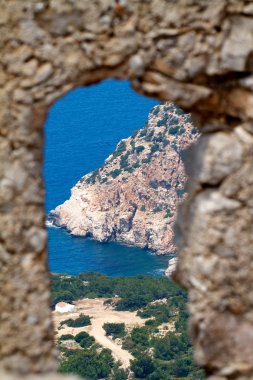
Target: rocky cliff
[132, 198]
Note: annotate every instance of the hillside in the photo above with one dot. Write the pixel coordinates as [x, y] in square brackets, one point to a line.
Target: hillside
[132, 198]
[142, 330]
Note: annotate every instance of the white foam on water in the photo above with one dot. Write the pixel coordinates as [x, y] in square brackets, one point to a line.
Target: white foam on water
[50, 224]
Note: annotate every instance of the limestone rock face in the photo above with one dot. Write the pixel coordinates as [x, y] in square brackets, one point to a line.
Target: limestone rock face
[133, 197]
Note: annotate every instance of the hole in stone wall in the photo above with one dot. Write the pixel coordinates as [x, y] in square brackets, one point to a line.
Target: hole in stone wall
[132, 199]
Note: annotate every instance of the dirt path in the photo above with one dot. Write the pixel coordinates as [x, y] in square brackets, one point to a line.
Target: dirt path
[100, 314]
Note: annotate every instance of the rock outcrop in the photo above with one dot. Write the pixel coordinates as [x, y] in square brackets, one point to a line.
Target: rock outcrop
[132, 198]
[172, 265]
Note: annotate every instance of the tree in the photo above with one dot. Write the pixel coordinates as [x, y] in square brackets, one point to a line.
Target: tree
[161, 123]
[82, 320]
[119, 374]
[139, 149]
[153, 183]
[135, 133]
[115, 329]
[140, 336]
[174, 130]
[157, 209]
[88, 363]
[115, 173]
[143, 132]
[143, 366]
[149, 136]
[84, 339]
[168, 214]
[154, 148]
[155, 110]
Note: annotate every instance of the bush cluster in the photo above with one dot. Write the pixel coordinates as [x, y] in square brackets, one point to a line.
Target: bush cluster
[82, 320]
[115, 329]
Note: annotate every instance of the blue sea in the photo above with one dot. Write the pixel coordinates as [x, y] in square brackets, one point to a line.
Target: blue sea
[81, 130]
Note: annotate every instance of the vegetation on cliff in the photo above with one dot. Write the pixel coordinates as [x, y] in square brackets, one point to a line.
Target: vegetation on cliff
[165, 127]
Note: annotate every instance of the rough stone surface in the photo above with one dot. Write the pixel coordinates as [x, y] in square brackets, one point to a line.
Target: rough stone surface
[50, 376]
[193, 52]
[214, 235]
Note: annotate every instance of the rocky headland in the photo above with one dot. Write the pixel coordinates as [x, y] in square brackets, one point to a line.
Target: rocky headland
[133, 197]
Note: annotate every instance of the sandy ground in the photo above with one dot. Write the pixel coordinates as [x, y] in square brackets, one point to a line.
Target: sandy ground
[99, 314]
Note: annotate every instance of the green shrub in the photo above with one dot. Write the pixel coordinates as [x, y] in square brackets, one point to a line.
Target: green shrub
[174, 130]
[115, 329]
[67, 337]
[158, 138]
[149, 136]
[179, 112]
[140, 336]
[143, 132]
[119, 374]
[142, 367]
[135, 133]
[129, 169]
[150, 322]
[143, 208]
[169, 108]
[161, 123]
[168, 214]
[173, 120]
[167, 348]
[92, 178]
[180, 192]
[115, 173]
[161, 312]
[182, 130]
[157, 209]
[139, 149]
[84, 339]
[153, 183]
[154, 148]
[120, 149]
[155, 111]
[188, 119]
[147, 159]
[82, 320]
[65, 295]
[136, 165]
[124, 160]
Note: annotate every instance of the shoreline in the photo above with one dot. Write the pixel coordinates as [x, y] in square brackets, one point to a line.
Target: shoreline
[50, 224]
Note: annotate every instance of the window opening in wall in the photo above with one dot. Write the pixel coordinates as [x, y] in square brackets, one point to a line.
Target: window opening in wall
[114, 177]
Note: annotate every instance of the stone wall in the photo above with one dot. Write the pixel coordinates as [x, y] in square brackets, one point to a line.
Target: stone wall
[196, 53]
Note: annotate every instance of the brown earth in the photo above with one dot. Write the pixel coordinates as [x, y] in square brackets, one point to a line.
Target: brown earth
[100, 314]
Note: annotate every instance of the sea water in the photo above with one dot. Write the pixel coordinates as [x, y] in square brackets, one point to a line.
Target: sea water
[81, 130]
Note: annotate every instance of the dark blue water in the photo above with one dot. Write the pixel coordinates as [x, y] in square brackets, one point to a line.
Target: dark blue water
[82, 129]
